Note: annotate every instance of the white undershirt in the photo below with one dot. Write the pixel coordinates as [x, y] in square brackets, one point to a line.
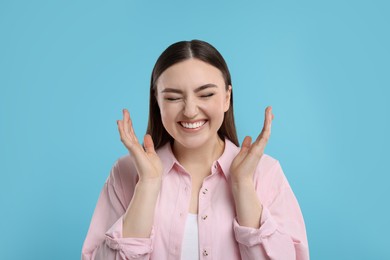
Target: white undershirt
[190, 246]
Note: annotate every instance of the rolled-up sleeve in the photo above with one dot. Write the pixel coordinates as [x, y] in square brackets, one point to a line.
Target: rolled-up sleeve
[282, 232]
[104, 239]
[129, 248]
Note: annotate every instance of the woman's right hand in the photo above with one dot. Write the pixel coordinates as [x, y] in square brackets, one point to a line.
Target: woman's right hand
[147, 162]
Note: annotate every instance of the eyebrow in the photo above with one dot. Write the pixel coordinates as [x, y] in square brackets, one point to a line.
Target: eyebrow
[198, 89]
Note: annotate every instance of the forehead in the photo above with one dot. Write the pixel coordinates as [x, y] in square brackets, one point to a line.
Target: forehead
[190, 73]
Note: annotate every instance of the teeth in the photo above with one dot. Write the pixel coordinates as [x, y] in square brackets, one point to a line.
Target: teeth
[193, 125]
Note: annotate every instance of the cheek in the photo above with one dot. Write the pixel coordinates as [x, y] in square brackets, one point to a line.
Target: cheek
[162, 107]
[165, 119]
[216, 109]
[163, 112]
[167, 113]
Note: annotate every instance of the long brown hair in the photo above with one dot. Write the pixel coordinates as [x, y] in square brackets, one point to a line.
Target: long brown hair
[176, 53]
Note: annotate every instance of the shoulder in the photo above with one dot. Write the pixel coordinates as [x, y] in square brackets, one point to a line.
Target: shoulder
[269, 179]
[124, 164]
[123, 177]
[268, 171]
[267, 163]
[123, 170]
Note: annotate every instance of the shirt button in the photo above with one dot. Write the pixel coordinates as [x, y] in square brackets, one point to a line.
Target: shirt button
[205, 191]
[204, 217]
[205, 253]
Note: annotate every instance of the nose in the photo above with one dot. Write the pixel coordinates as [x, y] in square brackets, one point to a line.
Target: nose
[190, 109]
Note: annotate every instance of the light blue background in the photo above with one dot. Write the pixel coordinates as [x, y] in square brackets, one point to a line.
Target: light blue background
[67, 68]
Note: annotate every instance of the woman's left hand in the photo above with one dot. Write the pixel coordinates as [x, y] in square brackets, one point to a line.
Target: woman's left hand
[246, 161]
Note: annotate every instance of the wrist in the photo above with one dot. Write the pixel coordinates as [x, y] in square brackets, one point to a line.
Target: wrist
[242, 183]
[247, 204]
[242, 189]
[149, 185]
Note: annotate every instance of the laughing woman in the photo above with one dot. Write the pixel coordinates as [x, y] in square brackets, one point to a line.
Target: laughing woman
[190, 191]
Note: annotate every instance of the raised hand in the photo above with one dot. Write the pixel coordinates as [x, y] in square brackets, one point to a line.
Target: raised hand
[146, 161]
[245, 163]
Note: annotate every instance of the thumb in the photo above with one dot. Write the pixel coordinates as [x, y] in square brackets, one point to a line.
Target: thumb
[246, 144]
[148, 144]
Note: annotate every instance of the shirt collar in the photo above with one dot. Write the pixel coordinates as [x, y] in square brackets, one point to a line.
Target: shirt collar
[168, 159]
[227, 157]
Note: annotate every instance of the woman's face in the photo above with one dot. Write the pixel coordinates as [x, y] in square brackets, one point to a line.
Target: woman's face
[193, 99]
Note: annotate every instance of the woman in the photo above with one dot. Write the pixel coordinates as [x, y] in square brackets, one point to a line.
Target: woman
[190, 192]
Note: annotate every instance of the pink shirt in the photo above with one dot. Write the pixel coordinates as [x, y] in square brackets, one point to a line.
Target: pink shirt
[282, 233]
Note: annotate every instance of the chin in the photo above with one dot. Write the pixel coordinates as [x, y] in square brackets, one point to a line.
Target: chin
[194, 142]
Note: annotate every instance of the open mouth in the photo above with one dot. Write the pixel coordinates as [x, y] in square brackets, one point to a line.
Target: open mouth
[193, 125]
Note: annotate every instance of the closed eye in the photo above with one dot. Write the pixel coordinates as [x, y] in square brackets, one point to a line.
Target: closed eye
[171, 99]
[207, 95]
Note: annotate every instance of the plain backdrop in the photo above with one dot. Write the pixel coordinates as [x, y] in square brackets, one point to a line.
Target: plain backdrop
[67, 68]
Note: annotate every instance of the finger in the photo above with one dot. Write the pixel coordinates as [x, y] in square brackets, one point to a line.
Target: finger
[148, 144]
[246, 144]
[266, 131]
[124, 137]
[262, 140]
[131, 129]
[120, 129]
[127, 139]
[128, 124]
[253, 155]
[268, 118]
[126, 119]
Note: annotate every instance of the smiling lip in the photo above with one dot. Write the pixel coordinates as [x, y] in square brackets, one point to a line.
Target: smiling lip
[192, 125]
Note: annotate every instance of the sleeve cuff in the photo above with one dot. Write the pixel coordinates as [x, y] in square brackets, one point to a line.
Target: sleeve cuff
[129, 247]
[252, 236]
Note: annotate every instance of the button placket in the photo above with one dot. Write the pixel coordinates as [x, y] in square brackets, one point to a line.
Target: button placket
[180, 214]
[206, 215]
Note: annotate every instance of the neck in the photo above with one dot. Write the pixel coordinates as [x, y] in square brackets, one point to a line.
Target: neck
[204, 155]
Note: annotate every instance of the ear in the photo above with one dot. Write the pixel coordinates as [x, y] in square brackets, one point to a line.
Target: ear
[227, 100]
